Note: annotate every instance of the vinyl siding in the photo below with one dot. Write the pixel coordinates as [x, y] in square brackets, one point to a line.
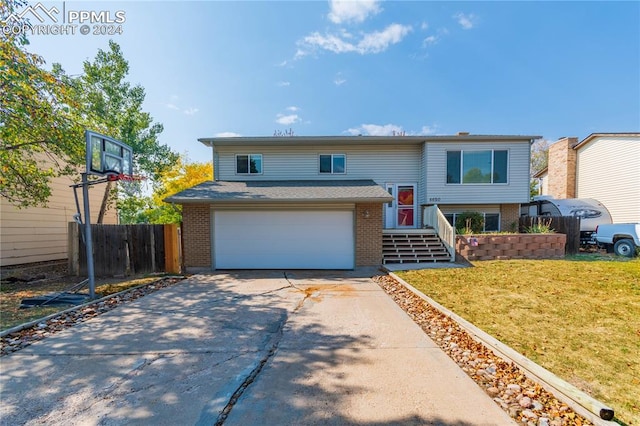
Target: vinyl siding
[391, 163]
[422, 195]
[461, 208]
[607, 170]
[544, 184]
[515, 191]
[39, 234]
[383, 164]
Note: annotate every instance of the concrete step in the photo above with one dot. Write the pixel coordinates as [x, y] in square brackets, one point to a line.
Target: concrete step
[413, 247]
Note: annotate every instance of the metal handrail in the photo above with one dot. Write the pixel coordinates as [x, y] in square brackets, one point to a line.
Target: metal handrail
[433, 217]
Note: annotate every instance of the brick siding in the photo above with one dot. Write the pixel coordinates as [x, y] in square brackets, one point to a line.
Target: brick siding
[368, 234]
[509, 217]
[562, 169]
[196, 234]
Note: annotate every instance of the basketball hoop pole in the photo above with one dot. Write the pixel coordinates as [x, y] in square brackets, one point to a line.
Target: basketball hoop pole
[88, 241]
[104, 157]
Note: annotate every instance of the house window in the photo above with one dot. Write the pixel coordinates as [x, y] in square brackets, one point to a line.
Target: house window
[491, 221]
[488, 166]
[333, 163]
[249, 164]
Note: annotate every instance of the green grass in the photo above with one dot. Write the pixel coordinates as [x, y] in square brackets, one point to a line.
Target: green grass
[579, 317]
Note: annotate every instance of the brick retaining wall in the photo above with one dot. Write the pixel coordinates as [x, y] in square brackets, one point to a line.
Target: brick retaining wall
[511, 246]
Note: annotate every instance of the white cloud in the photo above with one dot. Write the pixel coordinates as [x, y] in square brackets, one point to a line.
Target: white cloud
[173, 106]
[339, 80]
[293, 108]
[428, 130]
[374, 42]
[430, 41]
[375, 130]
[328, 42]
[424, 26]
[389, 130]
[352, 11]
[228, 135]
[287, 119]
[379, 41]
[284, 83]
[300, 52]
[466, 21]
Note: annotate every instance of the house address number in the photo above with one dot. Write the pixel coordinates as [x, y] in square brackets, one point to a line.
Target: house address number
[434, 199]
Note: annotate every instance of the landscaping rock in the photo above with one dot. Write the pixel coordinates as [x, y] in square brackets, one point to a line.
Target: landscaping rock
[20, 339]
[522, 398]
[525, 402]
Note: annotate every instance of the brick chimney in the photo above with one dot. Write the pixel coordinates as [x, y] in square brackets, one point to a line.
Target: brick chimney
[562, 168]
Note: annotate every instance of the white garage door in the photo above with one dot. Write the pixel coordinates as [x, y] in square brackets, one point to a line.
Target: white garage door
[283, 240]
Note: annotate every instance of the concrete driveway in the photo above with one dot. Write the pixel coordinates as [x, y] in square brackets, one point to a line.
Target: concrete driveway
[245, 348]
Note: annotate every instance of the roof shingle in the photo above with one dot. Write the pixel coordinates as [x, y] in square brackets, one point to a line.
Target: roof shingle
[283, 191]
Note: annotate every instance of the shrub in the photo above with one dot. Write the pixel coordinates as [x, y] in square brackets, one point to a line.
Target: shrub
[540, 225]
[469, 223]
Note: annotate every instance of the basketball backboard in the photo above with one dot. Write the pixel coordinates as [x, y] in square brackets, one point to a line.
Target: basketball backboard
[107, 155]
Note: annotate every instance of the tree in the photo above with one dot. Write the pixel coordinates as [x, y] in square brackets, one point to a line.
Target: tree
[539, 155]
[114, 107]
[43, 115]
[40, 137]
[182, 175]
[539, 161]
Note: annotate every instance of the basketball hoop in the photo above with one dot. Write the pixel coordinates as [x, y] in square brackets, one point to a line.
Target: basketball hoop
[115, 176]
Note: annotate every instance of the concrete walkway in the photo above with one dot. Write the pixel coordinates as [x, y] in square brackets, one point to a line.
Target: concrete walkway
[262, 348]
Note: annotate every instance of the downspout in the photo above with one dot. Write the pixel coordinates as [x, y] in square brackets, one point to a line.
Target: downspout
[214, 159]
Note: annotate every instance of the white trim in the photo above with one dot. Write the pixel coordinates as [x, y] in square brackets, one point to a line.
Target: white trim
[249, 164]
[462, 151]
[332, 157]
[391, 212]
[283, 239]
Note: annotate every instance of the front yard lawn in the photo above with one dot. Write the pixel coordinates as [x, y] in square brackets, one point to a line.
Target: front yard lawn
[579, 318]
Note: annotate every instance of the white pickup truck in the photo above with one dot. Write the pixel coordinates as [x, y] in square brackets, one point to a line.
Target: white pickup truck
[621, 238]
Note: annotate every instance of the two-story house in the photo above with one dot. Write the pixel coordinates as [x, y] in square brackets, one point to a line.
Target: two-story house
[603, 166]
[325, 202]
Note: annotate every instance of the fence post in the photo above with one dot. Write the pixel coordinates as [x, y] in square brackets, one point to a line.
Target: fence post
[171, 249]
[152, 237]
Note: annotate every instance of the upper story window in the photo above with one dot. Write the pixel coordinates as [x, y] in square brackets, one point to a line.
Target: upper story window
[249, 164]
[333, 163]
[488, 166]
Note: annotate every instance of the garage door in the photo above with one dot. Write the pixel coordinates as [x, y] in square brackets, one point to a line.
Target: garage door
[284, 240]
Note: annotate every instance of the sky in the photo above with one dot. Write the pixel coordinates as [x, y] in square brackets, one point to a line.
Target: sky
[213, 68]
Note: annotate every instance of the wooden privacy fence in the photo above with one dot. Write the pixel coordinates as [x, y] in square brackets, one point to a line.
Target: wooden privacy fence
[121, 250]
[568, 225]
